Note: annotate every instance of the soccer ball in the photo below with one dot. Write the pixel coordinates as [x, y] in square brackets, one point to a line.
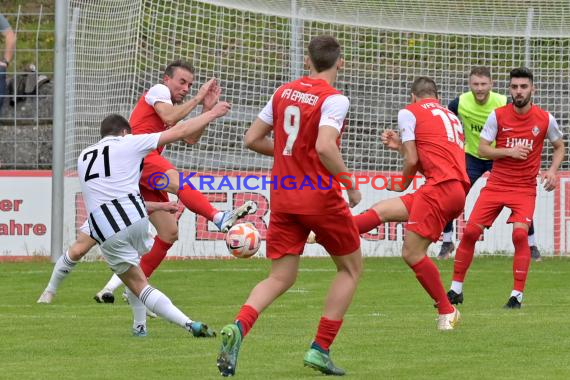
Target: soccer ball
[243, 240]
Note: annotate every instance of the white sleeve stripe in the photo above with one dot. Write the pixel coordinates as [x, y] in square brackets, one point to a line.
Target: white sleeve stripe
[333, 111]
[158, 93]
[554, 133]
[490, 128]
[407, 125]
[266, 113]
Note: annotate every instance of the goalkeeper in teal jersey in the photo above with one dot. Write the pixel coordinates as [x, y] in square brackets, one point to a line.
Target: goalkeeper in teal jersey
[473, 108]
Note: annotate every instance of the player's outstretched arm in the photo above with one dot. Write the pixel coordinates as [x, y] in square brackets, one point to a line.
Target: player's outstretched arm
[194, 126]
[257, 138]
[549, 177]
[210, 100]
[329, 155]
[486, 150]
[172, 114]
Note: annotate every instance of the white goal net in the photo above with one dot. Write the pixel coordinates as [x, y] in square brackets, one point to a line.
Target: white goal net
[116, 50]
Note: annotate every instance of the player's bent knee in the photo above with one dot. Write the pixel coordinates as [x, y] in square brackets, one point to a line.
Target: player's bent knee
[412, 256]
[285, 281]
[81, 246]
[168, 234]
[352, 264]
[173, 181]
[520, 236]
[472, 232]
[76, 253]
[413, 250]
[172, 187]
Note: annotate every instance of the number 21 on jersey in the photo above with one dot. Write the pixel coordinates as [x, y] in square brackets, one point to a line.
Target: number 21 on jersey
[452, 126]
[291, 123]
[93, 153]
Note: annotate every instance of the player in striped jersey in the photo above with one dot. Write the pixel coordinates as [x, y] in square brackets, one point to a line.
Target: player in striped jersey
[158, 109]
[109, 174]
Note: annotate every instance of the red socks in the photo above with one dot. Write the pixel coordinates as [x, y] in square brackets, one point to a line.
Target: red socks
[428, 275]
[465, 252]
[367, 221]
[327, 331]
[197, 202]
[152, 260]
[521, 261]
[246, 319]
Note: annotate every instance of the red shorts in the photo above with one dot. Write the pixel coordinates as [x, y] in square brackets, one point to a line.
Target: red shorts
[433, 206]
[154, 163]
[491, 202]
[287, 233]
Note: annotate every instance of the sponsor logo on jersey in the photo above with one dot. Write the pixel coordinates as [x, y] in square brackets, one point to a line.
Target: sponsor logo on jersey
[514, 141]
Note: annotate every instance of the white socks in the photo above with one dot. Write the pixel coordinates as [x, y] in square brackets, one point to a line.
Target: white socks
[139, 309]
[447, 236]
[457, 287]
[218, 217]
[159, 303]
[63, 266]
[113, 283]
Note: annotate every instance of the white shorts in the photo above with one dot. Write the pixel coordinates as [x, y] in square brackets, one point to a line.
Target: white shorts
[85, 228]
[124, 249]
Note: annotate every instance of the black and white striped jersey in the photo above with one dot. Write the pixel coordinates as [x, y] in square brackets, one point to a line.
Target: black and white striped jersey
[109, 172]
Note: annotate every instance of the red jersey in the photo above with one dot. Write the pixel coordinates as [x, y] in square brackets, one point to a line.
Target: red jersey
[508, 129]
[144, 119]
[303, 185]
[438, 135]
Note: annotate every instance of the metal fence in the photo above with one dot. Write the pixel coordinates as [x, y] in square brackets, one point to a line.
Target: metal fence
[27, 110]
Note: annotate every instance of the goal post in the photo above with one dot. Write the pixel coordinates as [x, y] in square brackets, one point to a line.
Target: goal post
[252, 46]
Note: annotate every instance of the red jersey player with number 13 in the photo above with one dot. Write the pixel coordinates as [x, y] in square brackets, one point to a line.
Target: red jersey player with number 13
[432, 143]
[519, 130]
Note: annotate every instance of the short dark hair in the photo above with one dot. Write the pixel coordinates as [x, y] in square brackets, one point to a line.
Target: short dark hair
[480, 71]
[113, 125]
[178, 64]
[324, 51]
[424, 87]
[521, 72]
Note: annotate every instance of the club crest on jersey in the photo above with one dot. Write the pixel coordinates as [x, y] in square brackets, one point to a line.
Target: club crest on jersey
[535, 130]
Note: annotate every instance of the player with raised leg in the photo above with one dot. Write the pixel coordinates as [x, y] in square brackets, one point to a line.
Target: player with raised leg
[518, 130]
[159, 108]
[109, 175]
[307, 118]
[432, 143]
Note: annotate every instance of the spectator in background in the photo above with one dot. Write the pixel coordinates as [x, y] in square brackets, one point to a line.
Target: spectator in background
[10, 44]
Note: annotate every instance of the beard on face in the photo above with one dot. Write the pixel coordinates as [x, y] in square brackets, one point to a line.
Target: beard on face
[520, 103]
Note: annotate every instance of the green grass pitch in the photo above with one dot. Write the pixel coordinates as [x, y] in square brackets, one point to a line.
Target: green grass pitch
[389, 331]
